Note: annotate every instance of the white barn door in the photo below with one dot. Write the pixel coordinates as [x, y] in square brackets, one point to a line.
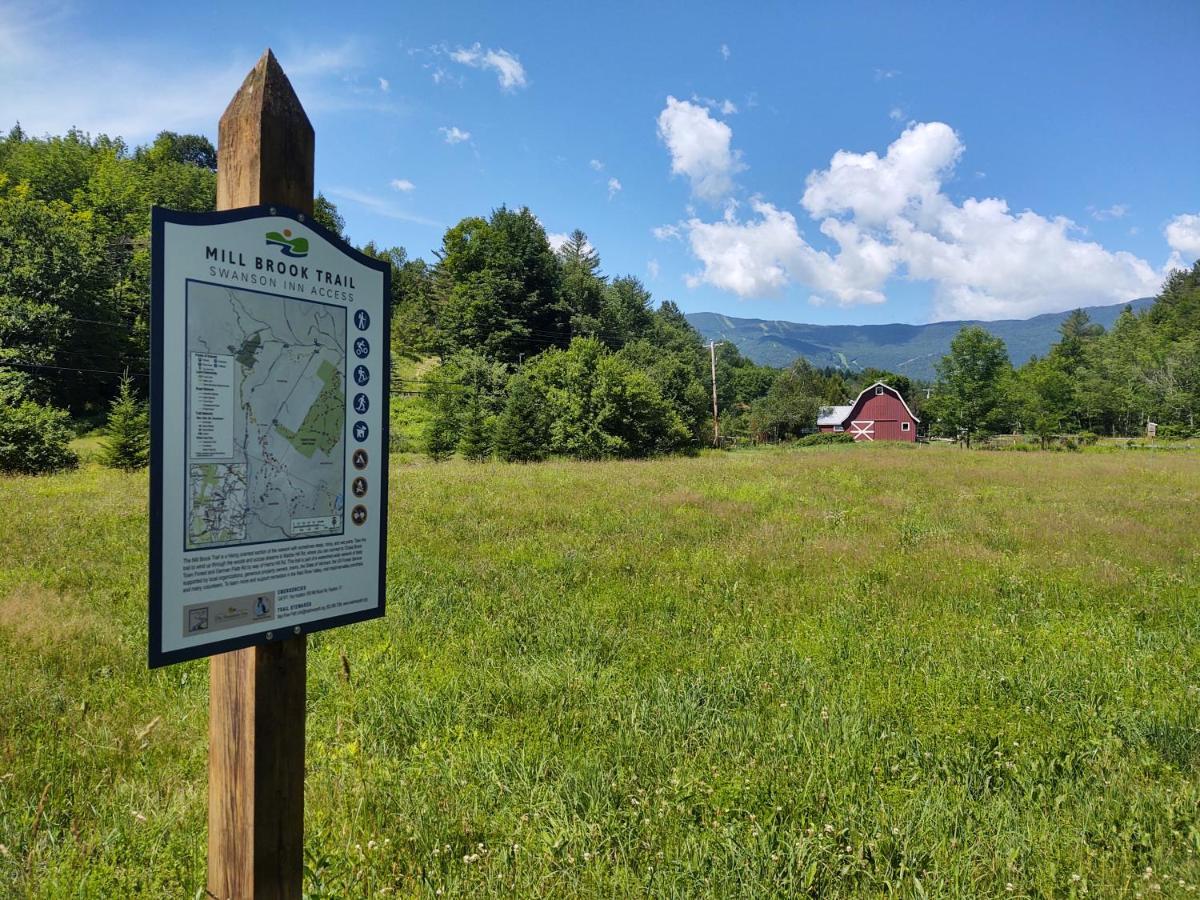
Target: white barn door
[863, 430]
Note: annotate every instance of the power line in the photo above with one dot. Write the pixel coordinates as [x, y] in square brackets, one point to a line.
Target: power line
[25, 365]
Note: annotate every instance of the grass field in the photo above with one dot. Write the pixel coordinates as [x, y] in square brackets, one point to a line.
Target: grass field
[840, 671]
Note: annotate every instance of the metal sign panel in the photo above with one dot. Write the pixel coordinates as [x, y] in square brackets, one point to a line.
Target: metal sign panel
[269, 439]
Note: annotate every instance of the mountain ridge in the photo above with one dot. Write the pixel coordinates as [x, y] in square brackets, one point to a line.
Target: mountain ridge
[907, 349]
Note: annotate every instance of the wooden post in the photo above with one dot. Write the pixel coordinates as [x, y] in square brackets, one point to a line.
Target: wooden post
[257, 696]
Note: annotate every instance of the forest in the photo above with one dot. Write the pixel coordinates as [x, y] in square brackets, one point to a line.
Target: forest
[526, 351]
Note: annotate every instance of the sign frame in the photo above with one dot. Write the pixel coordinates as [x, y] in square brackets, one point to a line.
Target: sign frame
[160, 217]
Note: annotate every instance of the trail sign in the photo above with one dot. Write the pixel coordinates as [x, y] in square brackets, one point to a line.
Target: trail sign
[269, 376]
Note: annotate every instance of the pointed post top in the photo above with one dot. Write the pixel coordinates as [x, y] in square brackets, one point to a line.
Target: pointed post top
[265, 143]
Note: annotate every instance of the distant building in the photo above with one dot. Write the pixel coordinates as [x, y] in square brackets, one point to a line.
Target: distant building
[879, 414]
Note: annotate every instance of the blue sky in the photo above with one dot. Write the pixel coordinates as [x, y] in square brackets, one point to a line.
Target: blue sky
[833, 163]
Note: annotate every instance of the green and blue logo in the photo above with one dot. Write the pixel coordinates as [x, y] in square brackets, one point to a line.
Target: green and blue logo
[291, 246]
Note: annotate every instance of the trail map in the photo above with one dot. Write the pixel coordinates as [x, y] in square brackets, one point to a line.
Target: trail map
[266, 419]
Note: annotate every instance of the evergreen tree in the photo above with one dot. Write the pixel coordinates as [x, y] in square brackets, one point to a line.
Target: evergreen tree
[441, 434]
[476, 441]
[582, 285]
[127, 433]
[521, 432]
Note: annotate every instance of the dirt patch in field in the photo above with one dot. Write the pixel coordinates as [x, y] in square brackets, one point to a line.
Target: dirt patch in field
[33, 616]
[721, 508]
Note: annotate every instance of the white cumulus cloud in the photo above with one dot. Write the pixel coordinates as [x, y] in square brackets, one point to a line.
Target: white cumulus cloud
[402, 184]
[889, 217]
[596, 165]
[989, 263]
[385, 85]
[508, 69]
[700, 148]
[614, 187]
[455, 135]
[876, 189]
[1183, 237]
[762, 255]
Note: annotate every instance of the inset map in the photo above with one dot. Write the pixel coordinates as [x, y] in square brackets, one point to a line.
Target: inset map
[266, 417]
[217, 500]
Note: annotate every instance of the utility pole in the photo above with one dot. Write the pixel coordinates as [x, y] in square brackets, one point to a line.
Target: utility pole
[712, 356]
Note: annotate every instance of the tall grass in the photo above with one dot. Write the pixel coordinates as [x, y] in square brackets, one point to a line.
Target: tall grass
[838, 671]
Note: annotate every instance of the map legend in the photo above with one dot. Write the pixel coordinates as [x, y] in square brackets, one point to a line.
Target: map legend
[211, 399]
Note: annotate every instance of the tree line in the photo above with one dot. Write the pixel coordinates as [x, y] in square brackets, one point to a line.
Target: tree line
[1146, 368]
[538, 352]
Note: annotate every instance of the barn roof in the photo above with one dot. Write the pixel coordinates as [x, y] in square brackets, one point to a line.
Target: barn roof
[837, 415]
[886, 387]
[833, 415]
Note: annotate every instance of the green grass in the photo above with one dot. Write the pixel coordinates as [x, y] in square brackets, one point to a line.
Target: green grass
[843, 671]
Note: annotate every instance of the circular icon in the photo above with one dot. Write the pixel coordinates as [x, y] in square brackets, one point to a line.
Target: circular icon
[358, 515]
[359, 459]
[361, 431]
[358, 487]
[361, 347]
[361, 404]
[361, 375]
[362, 321]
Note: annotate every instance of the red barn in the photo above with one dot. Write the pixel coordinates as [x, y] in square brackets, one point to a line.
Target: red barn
[879, 414]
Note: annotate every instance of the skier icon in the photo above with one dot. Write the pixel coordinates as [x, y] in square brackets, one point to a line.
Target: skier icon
[361, 403]
[361, 375]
